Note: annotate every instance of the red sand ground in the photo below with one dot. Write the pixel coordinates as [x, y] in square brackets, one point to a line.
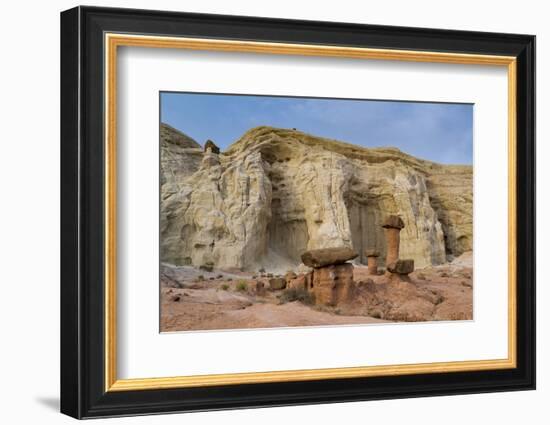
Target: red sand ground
[226, 300]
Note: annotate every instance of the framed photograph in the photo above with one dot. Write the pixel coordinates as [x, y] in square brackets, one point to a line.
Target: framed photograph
[261, 212]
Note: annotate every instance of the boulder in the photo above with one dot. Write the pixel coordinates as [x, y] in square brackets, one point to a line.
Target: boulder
[327, 256]
[401, 266]
[277, 283]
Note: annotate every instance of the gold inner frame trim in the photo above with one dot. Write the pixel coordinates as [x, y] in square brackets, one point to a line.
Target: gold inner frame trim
[113, 41]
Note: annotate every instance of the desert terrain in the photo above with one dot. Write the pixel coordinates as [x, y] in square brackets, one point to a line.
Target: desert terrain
[193, 299]
[285, 228]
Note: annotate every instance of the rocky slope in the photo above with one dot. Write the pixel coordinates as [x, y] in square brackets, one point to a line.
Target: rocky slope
[276, 193]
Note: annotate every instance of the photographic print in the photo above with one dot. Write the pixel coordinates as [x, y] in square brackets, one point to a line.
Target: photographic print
[299, 211]
[270, 185]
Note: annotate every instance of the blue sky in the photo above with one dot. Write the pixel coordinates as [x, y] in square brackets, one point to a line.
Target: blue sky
[439, 132]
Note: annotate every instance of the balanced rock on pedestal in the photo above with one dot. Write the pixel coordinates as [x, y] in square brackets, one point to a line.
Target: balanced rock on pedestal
[327, 256]
[392, 226]
[332, 278]
[372, 260]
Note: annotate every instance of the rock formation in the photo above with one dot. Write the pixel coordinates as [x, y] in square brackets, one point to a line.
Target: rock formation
[450, 190]
[328, 256]
[289, 275]
[277, 283]
[396, 269]
[372, 260]
[333, 285]
[259, 288]
[276, 193]
[331, 281]
[403, 267]
[392, 227]
[180, 157]
[399, 301]
[210, 145]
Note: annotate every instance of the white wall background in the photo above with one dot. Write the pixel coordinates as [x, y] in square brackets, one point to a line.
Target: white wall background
[29, 213]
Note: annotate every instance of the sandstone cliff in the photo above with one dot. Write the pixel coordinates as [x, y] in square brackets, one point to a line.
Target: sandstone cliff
[276, 193]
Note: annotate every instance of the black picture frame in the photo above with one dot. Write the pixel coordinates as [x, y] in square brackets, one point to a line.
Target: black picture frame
[83, 392]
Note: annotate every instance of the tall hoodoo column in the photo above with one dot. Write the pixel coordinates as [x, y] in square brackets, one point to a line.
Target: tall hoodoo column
[392, 226]
[372, 261]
